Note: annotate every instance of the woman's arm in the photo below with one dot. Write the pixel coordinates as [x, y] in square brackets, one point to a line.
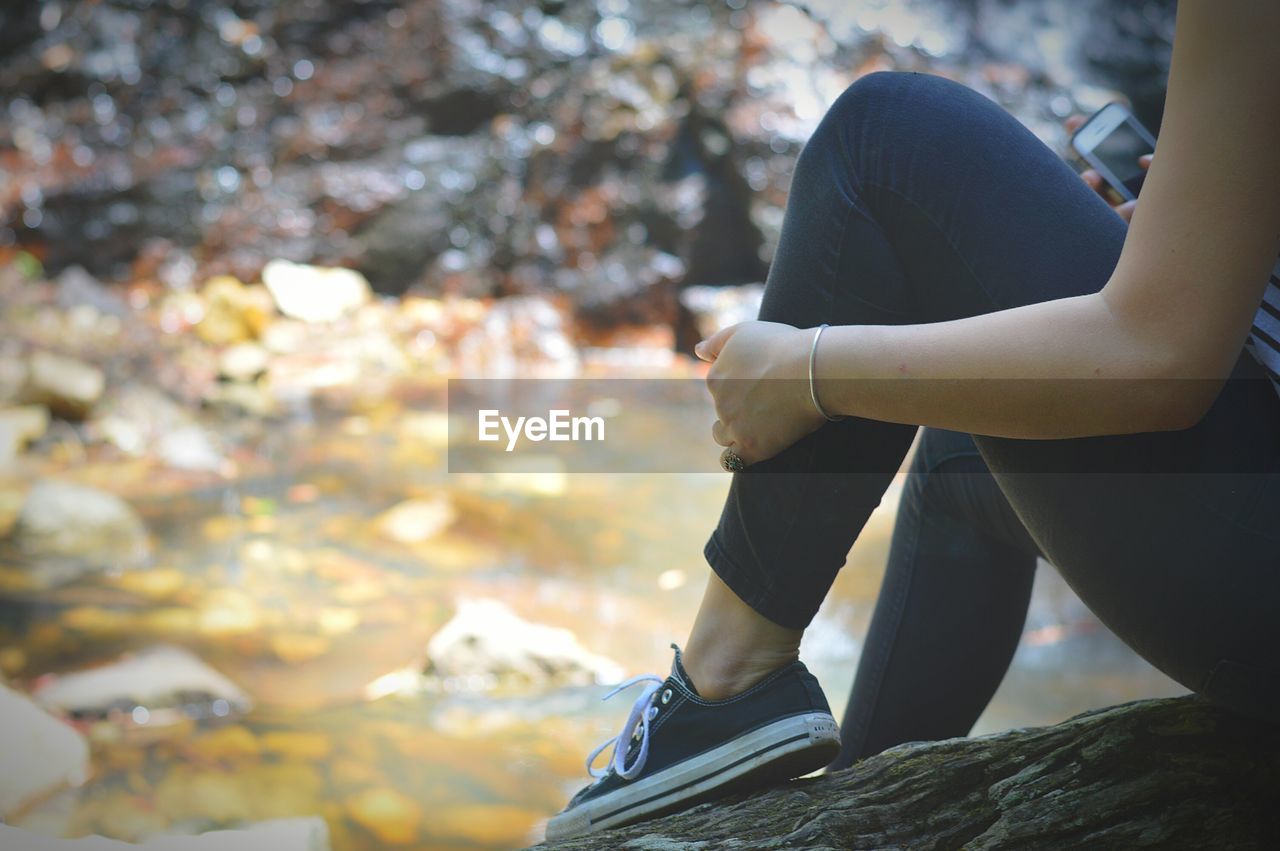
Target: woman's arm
[1151, 349]
[1168, 326]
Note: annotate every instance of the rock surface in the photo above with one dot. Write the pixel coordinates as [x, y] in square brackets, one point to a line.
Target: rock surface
[315, 293]
[243, 362]
[65, 530]
[19, 426]
[77, 288]
[1166, 773]
[69, 387]
[232, 311]
[416, 520]
[488, 641]
[41, 754]
[164, 682]
[294, 834]
[140, 420]
[13, 375]
[189, 448]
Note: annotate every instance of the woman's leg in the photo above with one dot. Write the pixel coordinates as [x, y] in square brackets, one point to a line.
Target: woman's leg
[1137, 530]
[916, 200]
[951, 609]
[1171, 539]
[961, 564]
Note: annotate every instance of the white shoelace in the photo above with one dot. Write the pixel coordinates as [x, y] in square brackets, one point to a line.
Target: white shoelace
[641, 714]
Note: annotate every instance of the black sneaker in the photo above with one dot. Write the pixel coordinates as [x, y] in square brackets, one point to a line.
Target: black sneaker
[682, 750]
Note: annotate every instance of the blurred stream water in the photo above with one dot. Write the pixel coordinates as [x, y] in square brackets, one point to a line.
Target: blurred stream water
[286, 584]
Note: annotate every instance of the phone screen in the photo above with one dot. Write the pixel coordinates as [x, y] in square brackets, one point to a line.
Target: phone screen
[1119, 152]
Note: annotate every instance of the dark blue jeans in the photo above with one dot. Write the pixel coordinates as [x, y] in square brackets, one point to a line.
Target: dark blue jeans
[918, 200]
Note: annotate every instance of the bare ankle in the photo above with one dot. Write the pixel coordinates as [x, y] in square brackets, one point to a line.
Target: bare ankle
[732, 647]
[717, 675]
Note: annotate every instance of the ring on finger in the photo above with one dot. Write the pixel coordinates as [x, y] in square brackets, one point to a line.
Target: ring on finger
[731, 461]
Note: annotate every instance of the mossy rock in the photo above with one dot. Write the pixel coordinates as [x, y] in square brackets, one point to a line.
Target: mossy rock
[1177, 772]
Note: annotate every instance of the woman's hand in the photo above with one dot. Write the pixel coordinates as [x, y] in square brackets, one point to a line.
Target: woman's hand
[1124, 209]
[759, 380]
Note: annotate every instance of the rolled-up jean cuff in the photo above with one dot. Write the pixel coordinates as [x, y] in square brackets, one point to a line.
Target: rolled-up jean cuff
[760, 596]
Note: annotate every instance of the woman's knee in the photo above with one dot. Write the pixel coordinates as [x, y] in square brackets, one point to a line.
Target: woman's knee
[898, 112]
[939, 457]
[863, 100]
[948, 476]
[883, 93]
[870, 91]
[938, 445]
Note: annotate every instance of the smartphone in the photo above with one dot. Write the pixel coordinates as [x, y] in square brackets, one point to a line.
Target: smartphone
[1111, 142]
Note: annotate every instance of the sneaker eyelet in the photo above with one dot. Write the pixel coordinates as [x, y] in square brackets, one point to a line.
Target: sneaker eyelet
[666, 696]
[653, 712]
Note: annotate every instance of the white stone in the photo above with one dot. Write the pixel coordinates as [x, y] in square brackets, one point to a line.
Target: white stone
[64, 521]
[38, 753]
[486, 639]
[135, 416]
[18, 427]
[68, 386]
[416, 520]
[315, 293]
[13, 376]
[151, 679]
[243, 361]
[189, 448]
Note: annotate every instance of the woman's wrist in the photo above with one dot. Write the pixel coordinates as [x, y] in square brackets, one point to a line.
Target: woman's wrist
[797, 376]
[845, 355]
[813, 388]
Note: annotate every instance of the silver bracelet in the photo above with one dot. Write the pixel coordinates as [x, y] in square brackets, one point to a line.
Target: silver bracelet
[813, 391]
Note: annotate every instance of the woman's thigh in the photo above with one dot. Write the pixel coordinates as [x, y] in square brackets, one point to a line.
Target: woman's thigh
[1172, 539]
[919, 200]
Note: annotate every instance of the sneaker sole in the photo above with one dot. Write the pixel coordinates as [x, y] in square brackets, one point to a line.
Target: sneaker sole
[780, 751]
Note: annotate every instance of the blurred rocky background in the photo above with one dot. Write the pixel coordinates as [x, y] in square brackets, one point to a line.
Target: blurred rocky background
[243, 244]
[611, 151]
